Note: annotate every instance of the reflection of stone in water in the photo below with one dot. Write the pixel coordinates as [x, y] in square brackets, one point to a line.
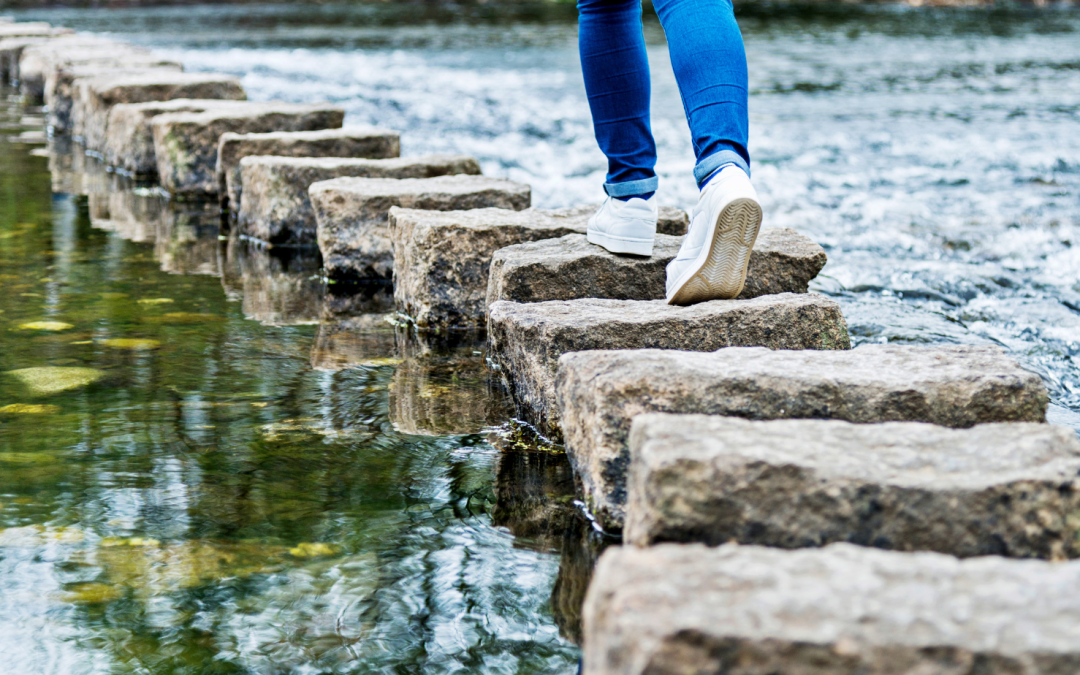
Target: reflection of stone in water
[133, 214]
[581, 548]
[278, 287]
[443, 386]
[352, 300]
[187, 238]
[74, 172]
[360, 341]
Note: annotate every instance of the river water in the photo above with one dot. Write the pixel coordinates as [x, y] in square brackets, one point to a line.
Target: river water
[242, 479]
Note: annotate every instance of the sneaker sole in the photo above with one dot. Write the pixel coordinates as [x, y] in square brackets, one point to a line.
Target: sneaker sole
[643, 247]
[721, 272]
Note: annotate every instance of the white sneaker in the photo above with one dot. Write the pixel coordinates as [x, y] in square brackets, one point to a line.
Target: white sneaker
[624, 226]
[711, 264]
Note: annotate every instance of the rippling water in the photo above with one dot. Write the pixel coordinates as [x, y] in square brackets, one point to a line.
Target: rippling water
[272, 489]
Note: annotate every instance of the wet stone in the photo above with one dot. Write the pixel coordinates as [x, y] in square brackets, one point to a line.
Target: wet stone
[600, 392]
[276, 208]
[352, 214]
[186, 143]
[676, 609]
[993, 489]
[366, 142]
[441, 259]
[783, 261]
[527, 339]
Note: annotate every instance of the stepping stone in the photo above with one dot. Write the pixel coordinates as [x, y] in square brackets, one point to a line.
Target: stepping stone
[66, 98]
[993, 489]
[276, 208]
[96, 96]
[442, 258]
[38, 60]
[783, 261]
[674, 609]
[954, 386]
[186, 143]
[352, 214]
[527, 339]
[367, 142]
[11, 50]
[276, 287]
[129, 136]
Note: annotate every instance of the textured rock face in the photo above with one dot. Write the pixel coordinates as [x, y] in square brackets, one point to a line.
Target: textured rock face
[38, 60]
[599, 393]
[993, 489]
[367, 142]
[276, 207]
[186, 144]
[526, 339]
[441, 259]
[783, 261]
[352, 214]
[63, 91]
[98, 95]
[129, 137]
[843, 609]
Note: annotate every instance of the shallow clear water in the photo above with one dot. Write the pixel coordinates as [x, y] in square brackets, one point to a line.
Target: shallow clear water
[272, 489]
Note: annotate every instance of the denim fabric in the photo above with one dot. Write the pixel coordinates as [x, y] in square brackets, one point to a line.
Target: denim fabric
[710, 66]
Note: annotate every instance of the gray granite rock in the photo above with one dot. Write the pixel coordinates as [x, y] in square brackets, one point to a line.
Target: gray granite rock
[783, 261]
[129, 137]
[352, 214]
[600, 392]
[527, 339]
[994, 489]
[840, 610]
[186, 143]
[66, 91]
[441, 259]
[276, 207]
[97, 95]
[366, 142]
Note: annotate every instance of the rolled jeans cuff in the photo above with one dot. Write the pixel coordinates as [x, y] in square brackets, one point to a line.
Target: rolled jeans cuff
[632, 188]
[707, 166]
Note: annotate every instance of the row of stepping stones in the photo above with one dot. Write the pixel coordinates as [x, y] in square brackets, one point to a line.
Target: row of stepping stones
[788, 504]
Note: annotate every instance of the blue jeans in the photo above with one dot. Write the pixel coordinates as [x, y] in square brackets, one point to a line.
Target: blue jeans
[710, 66]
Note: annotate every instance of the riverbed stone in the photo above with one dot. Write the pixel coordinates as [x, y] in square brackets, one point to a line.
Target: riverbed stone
[527, 339]
[276, 208]
[993, 489]
[676, 609]
[186, 143]
[600, 392]
[441, 259]
[352, 214]
[783, 261]
[365, 142]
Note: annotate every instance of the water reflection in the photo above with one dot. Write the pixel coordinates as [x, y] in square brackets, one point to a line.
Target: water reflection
[277, 287]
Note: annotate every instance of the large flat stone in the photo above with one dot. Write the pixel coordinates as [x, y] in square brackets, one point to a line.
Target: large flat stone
[11, 49]
[37, 61]
[441, 259]
[66, 96]
[783, 261]
[527, 339]
[97, 95]
[367, 142]
[600, 392]
[352, 214]
[994, 489]
[129, 136]
[186, 143]
[676, 609]
[276, 208]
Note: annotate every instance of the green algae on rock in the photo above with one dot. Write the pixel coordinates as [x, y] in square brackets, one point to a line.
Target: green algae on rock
[29, 409]
[182, 318]
[156, 301]
[132, 344]
[48, 380]
[46, 325]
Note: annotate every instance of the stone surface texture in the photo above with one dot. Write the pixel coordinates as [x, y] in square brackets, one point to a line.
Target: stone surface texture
[186, 143]
[276, 207]
[64, 95]
[527, 339]
[600, 392]
[37, 61]
[352, 214]
[840, 610]
[783, 261]
[97, 96]
[994, 489]
[366, 142]
[441, 258]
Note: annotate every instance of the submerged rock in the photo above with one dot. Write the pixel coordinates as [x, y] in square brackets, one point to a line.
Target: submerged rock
[352, 214]
[48, 380]
[51, 326]
[131, 344]
[675, 609]
[276, 207]
[29, 409]
[600, 392]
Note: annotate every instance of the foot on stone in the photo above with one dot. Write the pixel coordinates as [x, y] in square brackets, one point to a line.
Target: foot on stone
[712, 261]
[624, 226]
